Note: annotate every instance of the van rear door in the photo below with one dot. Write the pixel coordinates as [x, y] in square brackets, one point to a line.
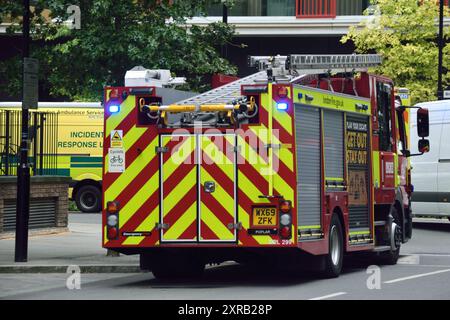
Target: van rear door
[425, 167]
[444, 167]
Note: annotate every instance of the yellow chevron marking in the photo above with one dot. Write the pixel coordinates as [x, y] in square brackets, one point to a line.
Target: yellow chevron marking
[147, 225]
[129, 139]
[115, 119]
[179, 191]
[177, 229]
[219, 194]
[214, 153]
[216, 226]
[138, 199]
[132, 136]
[284, 188]
[246, 185]
[179, 157]
[131, 172]
[253, 158]
[287, 157]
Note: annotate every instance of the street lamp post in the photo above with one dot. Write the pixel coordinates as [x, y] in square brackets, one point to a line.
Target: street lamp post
[224, 20]
[23, 171]
[440, 90]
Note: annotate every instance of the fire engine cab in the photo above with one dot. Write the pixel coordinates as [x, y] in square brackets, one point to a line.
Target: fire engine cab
[304, 161]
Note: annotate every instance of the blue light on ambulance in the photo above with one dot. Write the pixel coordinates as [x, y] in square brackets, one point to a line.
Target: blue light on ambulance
[282, 106]
[114, 108]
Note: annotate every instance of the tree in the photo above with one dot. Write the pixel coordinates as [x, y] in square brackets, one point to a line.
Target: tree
[404, 33]
[114, 37]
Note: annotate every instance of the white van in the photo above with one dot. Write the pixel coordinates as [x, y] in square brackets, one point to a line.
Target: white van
[431, 171]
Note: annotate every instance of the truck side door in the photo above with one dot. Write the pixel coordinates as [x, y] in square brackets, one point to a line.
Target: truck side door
[387, 134]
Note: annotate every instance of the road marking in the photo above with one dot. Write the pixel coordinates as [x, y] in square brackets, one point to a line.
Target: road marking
[434, 254]
[409, 259]
[329, 296]
[418, 276]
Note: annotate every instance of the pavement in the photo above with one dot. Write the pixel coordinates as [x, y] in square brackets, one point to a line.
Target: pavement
[80, 246]
[423, 272]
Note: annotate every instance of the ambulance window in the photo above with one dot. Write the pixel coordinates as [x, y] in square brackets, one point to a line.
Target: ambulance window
[384, 96]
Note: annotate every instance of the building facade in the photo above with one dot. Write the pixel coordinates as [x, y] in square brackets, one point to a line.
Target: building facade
[269, 27]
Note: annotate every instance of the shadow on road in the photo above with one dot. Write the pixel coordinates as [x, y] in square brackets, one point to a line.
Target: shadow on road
[432, 226]
[236, 275]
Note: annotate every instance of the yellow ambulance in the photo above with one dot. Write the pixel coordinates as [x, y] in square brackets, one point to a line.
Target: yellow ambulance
[80, 148]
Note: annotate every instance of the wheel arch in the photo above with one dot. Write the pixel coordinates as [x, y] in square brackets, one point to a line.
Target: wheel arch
[85, 182]
[340, 214]
[398, 205]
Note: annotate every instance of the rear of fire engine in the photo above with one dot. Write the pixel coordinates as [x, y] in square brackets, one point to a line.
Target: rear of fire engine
[299, 163]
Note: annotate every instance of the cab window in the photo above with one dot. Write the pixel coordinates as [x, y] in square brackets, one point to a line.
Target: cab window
[384, 98]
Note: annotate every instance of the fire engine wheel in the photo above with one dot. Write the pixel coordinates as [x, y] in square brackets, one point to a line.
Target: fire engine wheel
[335, 257]
[391, 257]
[88, 198]
[187, 268]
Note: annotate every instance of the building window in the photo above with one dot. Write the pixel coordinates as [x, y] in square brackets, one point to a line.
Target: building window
[298, 8]
[248, 8]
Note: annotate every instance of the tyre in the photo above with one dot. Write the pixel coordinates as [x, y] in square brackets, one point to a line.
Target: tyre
[88, 199]
[335, 257]
[168, 269]
[391, 257]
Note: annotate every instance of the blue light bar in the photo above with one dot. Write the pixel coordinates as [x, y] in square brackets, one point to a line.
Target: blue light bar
[113, 108]
[282, 106]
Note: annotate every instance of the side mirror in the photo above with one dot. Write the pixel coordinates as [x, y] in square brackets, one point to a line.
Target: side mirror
[423, 126]
[424, 145]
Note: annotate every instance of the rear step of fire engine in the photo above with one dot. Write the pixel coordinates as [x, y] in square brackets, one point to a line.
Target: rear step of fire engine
[381, 248]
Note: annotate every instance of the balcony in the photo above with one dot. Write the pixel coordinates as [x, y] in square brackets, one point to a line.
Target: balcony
[289, 17]
[296, 8]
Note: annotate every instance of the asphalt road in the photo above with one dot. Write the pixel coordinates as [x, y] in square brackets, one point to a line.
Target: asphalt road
[423, 272]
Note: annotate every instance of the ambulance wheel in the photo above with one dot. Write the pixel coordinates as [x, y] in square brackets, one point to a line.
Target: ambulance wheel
[88, 198]
[168, 269]
[335, 257]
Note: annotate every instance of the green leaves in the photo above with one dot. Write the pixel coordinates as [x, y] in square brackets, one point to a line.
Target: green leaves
[114, 37]
[405, 35]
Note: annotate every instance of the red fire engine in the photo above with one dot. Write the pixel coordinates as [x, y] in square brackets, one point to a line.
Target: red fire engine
[301, 162]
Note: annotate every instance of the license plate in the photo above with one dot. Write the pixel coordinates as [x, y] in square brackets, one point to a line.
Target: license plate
[264, 216]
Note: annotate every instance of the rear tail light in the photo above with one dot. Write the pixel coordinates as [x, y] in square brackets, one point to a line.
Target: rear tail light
[285, 206]
[285, 232]
[112, 207]
[285, 219]
[112, 233]
[112, 220]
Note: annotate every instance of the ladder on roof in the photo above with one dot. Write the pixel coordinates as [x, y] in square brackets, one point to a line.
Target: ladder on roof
[291, 68]
[317, 64]
[333, 62]
[225, 94]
